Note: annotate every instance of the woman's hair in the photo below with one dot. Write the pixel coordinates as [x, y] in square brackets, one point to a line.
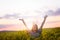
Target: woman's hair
[35, 28]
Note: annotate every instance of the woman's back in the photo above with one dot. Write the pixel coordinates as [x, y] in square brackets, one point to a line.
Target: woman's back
[35, 32]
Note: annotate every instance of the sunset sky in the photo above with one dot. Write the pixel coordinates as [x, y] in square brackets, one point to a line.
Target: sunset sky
[32, 11]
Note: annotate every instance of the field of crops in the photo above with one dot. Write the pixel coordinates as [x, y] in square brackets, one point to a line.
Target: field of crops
[47, 34]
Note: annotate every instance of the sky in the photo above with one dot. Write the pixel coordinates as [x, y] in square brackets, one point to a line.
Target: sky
[31, 11]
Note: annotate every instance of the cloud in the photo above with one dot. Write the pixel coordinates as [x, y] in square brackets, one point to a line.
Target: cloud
[49, 12]
[57, 12]
[32, 14]
[8, 16]
[2, 26]
[53, 13]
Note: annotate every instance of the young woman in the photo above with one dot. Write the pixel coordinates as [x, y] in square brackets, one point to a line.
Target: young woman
[35, 32]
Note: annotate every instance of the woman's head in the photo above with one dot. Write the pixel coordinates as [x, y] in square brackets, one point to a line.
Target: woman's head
[35, 28]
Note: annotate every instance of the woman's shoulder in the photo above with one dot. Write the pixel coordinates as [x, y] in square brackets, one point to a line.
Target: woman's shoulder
[39, 31]
[28, 31]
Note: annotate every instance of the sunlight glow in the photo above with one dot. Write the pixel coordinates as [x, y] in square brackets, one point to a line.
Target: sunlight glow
[32, 11]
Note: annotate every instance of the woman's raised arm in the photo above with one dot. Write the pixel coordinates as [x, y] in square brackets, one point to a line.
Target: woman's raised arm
[24, 23]
[43, 22]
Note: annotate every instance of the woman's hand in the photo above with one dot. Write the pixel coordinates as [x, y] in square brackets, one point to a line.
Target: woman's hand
[23, 21]
[45, 16]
